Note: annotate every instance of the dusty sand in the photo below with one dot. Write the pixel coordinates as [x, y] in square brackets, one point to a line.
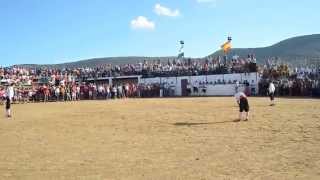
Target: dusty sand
[160, 139]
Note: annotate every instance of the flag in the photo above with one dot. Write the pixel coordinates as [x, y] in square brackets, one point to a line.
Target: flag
[226, 47]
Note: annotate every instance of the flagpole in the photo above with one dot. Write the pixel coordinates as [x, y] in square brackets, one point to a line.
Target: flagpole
[226, 47]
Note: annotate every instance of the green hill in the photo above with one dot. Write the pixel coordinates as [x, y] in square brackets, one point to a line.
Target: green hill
[96, 62]
[297, 50]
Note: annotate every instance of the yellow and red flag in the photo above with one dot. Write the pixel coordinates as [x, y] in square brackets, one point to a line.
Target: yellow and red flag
[226, 47]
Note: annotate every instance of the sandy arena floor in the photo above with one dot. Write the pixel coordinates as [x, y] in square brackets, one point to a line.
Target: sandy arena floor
[161, 139]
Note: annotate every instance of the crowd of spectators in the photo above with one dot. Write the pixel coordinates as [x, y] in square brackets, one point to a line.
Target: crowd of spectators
[174, 67]
[303, 81]
[46, 83]
[207, 66]
[70, 92]
[52, 84]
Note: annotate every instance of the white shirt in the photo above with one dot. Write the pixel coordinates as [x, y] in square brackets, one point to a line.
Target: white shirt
[114, 89]
[62, 83]
[271, 88]
[101, 89]
[10, 92]
[57, 90]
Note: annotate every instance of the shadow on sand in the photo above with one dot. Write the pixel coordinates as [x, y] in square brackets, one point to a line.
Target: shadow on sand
[198, 124]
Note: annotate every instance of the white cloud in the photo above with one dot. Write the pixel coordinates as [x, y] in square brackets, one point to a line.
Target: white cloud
[142, 22]
[165, 11]
[210, 2]
[206, 1]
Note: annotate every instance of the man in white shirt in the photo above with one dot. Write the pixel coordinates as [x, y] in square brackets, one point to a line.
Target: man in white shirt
[57, 93]
[107, 92]
[114, 92]
[101, 91]
[10, 92]
[271, 91]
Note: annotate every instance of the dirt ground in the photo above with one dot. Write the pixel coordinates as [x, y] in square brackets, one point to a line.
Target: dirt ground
[161, 139]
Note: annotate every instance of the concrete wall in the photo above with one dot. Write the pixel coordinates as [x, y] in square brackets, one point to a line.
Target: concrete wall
[211, 88]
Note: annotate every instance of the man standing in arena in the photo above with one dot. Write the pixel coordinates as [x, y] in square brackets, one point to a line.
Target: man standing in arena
[10, 92]
[243, 105]
[9, 97]
[271, 91]
[237, 96]
[8, 107]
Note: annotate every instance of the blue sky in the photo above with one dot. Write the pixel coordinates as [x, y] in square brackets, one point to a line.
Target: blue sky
[55, 31]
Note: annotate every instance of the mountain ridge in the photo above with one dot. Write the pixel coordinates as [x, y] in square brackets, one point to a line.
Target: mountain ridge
[296, 51]
[292, 50]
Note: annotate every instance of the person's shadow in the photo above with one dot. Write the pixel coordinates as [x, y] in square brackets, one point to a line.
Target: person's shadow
[207, 123]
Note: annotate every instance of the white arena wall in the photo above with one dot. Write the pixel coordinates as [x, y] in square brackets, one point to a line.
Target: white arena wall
[211, 88]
